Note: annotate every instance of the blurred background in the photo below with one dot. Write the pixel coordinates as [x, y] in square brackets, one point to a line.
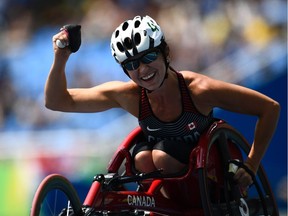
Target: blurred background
[243, 42]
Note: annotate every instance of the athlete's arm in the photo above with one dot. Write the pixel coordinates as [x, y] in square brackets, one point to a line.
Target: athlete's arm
[96, 99]
[214, 93]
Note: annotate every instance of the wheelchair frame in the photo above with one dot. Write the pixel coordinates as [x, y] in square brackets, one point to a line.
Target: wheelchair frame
[189, 193]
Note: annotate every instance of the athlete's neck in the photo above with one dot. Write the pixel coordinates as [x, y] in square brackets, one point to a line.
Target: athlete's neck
[170, 83]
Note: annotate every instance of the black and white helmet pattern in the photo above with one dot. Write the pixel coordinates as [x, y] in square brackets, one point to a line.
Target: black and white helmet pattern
[135, 36]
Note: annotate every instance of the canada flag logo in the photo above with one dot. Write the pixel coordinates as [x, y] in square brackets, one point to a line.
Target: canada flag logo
[191, 126]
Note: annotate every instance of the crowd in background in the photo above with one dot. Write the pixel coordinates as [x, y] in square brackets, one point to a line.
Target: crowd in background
[227, 39]
[242, 42]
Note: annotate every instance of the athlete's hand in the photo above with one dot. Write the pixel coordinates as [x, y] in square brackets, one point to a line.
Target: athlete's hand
[243, 178]
[69, 37]
[63, 39]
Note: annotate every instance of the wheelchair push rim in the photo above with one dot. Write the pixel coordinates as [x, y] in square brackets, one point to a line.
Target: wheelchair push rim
[219, 205]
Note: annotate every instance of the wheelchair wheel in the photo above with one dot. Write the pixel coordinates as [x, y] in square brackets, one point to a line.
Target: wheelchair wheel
[55, 196]
[222, 197]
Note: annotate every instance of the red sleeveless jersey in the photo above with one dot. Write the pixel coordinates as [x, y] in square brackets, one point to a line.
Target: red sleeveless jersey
[186, 128]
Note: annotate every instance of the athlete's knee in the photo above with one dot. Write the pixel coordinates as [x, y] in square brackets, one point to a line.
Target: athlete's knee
[143, 161]
[160, 159]
[164, 161]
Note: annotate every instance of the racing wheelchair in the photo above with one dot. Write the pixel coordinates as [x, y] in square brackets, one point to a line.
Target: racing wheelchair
[205, 188]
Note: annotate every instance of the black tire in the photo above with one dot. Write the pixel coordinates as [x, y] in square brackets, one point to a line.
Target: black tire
[52, 196]
[220, 205]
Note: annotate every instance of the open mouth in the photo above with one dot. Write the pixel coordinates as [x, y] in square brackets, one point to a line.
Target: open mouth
[148, 77]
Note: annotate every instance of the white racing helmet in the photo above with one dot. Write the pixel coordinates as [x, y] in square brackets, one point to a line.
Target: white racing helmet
[135, 36]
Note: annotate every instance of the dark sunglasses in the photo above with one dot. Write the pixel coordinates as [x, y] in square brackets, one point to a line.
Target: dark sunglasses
[146, 59]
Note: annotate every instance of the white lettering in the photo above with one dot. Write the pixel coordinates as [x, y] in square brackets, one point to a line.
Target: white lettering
[141, 201]
[188, 138]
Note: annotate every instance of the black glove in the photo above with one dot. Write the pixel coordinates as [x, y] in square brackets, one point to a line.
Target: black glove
[74, 33]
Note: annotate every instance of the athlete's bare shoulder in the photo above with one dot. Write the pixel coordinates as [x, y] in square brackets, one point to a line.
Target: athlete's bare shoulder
[126, 94]
[196, 82]
[126, 88]
[117, 87]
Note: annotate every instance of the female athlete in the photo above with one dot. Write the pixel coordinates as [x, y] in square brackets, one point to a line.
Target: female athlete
[173, 107]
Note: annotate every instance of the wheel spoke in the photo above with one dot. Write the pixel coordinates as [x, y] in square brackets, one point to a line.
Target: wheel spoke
[54, 194]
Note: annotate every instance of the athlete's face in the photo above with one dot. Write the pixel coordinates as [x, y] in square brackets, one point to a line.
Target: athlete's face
[146, 69]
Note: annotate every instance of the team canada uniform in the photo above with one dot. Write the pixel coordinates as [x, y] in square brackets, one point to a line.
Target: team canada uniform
[176, 136]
